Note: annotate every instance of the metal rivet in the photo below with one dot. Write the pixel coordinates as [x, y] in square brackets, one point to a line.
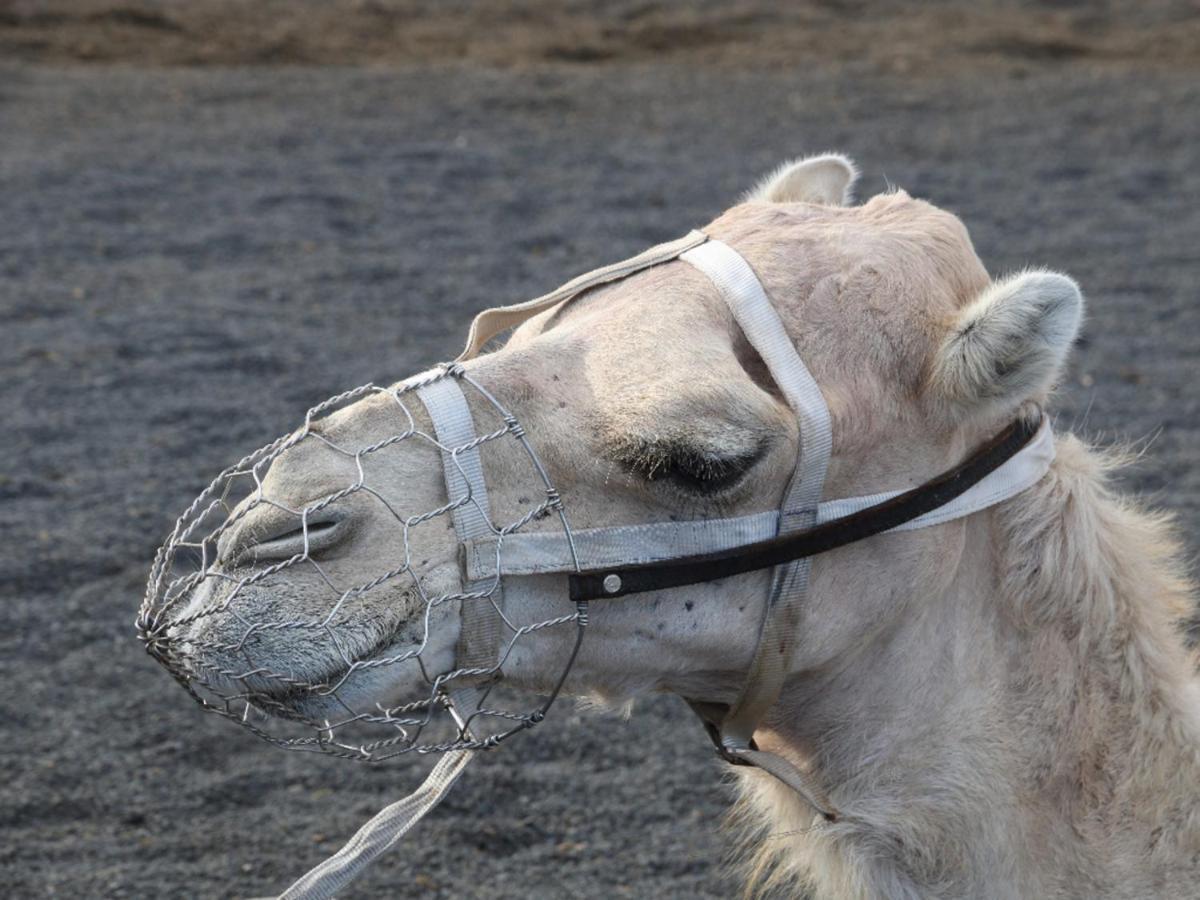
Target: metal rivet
[612, 583]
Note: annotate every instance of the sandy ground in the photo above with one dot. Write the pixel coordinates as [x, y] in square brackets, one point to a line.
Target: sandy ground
[189, 257]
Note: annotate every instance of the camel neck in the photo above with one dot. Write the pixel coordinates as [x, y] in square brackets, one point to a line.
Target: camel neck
[1033, 726]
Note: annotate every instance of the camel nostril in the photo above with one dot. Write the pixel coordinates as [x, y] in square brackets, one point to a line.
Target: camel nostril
[320, 532]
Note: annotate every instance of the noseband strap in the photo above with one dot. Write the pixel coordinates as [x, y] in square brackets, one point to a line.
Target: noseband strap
[479, 627]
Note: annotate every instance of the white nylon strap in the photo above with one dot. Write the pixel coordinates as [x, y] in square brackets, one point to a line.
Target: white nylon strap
[454, 427]
[1019, 472]
[386, 827]
[549, 552]
[491, 322]
[759, 321]
[379, 834]
[479, 634]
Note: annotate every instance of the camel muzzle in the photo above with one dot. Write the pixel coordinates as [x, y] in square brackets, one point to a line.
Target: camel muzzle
[206, 619]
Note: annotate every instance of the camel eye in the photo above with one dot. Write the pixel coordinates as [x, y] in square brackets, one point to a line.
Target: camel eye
[696, 470]
[702, 472]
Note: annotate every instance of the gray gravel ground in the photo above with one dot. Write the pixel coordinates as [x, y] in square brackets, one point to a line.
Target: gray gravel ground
[189, 258]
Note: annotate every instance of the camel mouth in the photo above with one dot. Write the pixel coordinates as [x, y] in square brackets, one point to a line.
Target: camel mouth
[338, 687]
[308, 680]
[314, 702]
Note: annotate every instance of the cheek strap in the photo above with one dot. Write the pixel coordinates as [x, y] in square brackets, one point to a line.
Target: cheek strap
[733, 733]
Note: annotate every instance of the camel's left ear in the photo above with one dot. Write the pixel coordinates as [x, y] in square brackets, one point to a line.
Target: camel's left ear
[1009, 344]
[827, 179]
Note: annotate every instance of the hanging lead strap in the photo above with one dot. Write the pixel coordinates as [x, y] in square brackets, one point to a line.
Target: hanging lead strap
[390, 824]
[479, 636]
[380, 834]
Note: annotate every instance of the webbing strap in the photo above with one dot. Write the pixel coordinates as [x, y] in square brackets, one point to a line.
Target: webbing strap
[386, 827]
[760, 322]
[491, 322]
[793, 777]
[379, 834]
[479, 628]
[547, 552]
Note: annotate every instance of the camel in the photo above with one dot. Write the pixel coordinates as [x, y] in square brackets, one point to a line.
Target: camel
[999, 706]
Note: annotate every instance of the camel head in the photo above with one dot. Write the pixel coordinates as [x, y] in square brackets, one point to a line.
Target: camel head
[644, 403]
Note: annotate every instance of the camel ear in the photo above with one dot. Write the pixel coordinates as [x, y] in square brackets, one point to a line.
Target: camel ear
[1009, 344]
[827, 179]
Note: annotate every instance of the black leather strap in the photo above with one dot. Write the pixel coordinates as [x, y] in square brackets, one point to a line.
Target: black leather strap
[598, 584]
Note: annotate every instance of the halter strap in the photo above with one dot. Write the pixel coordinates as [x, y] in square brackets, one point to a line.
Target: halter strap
[479, 621]
[742, 290]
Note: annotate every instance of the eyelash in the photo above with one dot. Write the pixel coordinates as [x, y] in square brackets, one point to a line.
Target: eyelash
[690, 469]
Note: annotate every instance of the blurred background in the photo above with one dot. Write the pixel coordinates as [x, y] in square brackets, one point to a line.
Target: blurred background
[214, 213]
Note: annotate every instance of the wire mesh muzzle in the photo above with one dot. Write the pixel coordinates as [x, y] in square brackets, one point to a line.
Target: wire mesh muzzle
[220, 622]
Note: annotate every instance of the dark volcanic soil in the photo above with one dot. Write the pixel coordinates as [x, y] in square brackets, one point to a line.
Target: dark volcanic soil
[189, 258]
[893, 35]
